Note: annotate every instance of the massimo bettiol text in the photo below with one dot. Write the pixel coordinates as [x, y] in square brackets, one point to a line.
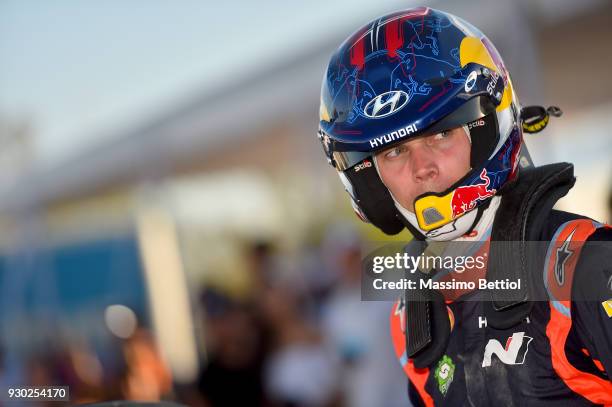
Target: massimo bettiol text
[458, 264]
[387, 276]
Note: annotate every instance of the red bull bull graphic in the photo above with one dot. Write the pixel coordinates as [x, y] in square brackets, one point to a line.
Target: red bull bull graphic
[465, 198]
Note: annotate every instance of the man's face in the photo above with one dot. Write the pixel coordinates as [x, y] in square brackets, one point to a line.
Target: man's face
[425, 164]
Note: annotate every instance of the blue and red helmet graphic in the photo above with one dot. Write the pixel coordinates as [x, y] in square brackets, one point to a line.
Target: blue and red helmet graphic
[418, 59]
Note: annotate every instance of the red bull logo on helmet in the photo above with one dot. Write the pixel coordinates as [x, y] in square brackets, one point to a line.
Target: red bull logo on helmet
[465, 198]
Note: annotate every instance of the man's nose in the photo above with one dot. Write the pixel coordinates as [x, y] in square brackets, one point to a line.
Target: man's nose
[424, 167]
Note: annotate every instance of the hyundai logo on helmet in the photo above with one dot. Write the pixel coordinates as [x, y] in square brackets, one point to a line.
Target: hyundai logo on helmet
[386, 104]
[470, 81]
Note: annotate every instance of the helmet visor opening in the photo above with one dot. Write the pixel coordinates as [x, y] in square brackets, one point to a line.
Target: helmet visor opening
[470, 111]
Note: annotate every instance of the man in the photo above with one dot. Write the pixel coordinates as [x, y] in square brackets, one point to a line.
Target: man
[419, 116]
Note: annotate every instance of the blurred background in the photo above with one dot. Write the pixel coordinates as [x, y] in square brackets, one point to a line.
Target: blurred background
[169, 226]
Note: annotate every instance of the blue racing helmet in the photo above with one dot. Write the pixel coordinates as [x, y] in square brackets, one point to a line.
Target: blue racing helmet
[410, 74]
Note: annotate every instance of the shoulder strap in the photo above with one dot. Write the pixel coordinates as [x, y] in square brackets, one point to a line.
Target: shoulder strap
[523, 212]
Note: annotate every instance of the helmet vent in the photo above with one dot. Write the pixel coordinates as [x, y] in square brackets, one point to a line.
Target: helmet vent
[431, 215]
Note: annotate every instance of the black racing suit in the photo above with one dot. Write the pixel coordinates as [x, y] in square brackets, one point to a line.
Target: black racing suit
[559, 354]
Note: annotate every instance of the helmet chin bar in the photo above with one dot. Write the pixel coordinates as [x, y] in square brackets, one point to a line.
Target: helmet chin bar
[433, 211]
[449, 231]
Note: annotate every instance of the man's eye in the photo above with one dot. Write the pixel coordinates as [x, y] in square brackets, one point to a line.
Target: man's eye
[442, 135]
[394, 152]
